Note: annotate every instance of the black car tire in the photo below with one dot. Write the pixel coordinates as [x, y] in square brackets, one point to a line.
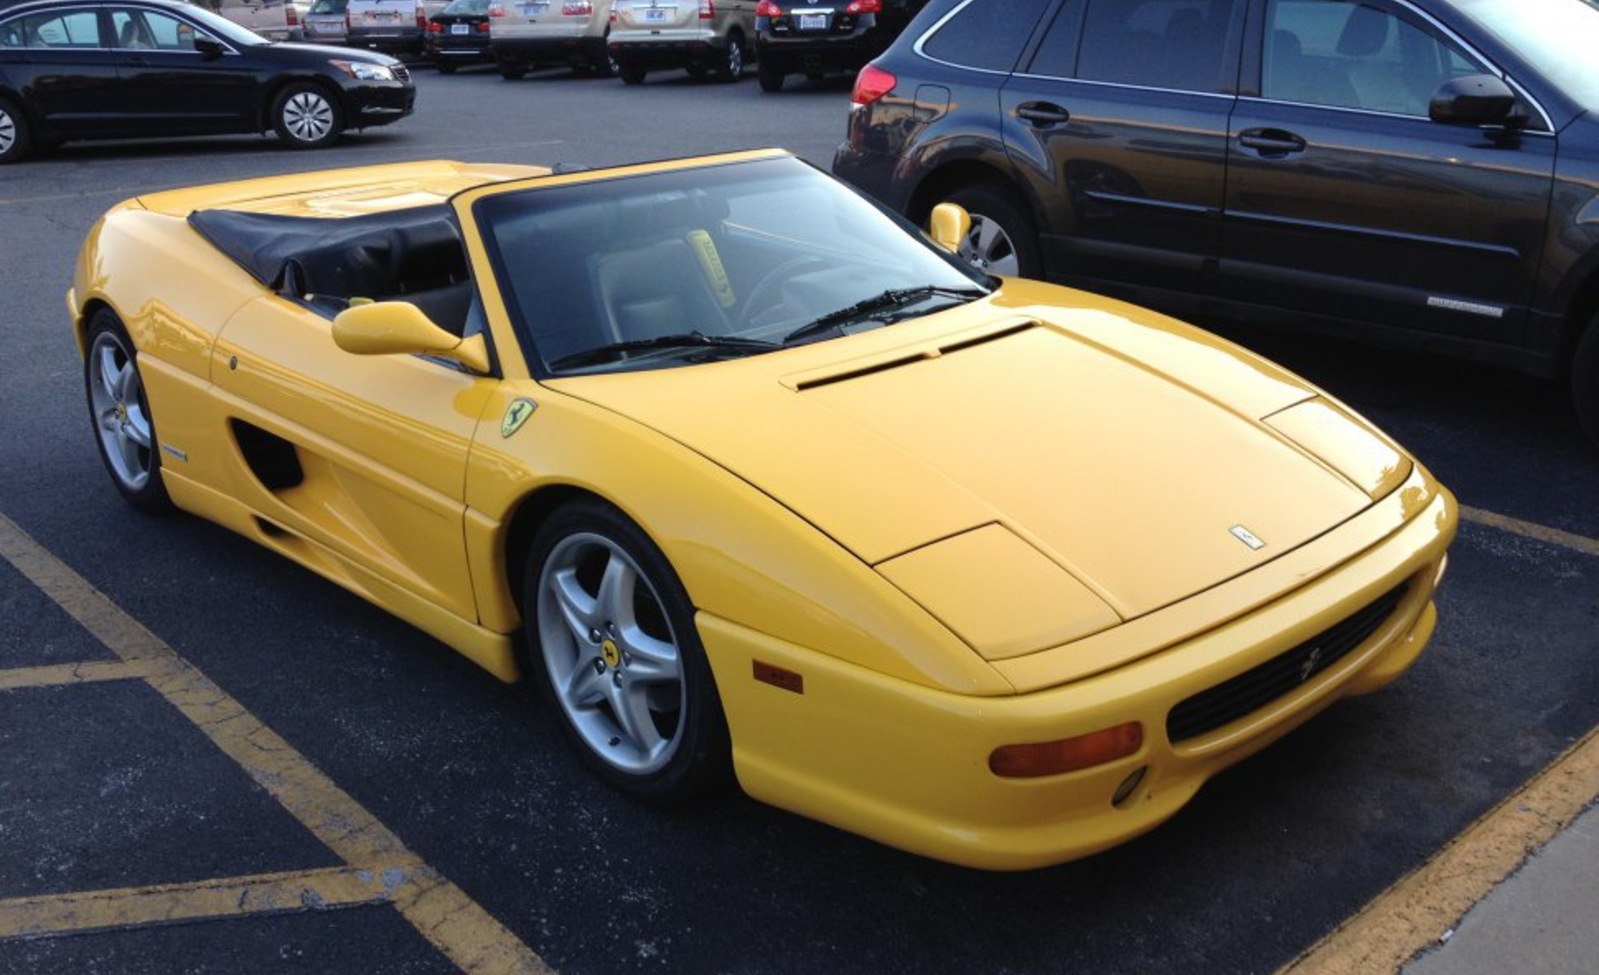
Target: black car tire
[732, 64]
[610, 632]
[512, 70]
[307, 116]
[631, 74]
[1585, 379]
[1000, 232]
[771, 78]
[15, 139]
[445, 67]
[124, 427]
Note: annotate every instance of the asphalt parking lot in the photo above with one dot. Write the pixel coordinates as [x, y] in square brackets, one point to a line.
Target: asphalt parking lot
[213, 761]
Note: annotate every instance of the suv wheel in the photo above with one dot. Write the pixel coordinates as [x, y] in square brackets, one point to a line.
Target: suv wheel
[770, 77]
[1585, 379]
[513, 70]
[732, 65]
[1001, 240]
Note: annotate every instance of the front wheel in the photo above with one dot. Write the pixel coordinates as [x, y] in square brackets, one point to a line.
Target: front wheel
[1585, 380]
[306, 117]
[612, 645]
[1001, 240]
[14, 139]
[123, 425]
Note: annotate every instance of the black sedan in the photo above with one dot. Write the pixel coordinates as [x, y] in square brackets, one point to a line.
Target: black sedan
[459, 35]
[798, 36]
[82, 69]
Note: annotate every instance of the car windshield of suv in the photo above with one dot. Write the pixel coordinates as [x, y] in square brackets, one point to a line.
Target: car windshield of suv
[1559, 37]
[670, 268]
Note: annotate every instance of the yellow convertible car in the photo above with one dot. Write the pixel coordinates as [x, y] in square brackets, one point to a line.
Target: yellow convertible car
[753, 479]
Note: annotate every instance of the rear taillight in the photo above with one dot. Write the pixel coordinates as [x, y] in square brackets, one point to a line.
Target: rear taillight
[871, 84]
[707, 9]
[766, 8]
[292, 14]
[483, 27]
[577, 8]
[496, 10]
[346, 21]
[421, 17]
[864, 7]
[434, 27]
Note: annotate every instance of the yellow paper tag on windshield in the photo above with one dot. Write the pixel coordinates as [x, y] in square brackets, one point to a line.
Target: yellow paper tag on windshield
[711, 264]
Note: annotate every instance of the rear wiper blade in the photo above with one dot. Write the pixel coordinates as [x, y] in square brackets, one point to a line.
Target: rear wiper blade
[607, 353]
[892, 298]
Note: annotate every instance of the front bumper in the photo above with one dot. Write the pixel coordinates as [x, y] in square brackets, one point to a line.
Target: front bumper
[377, 103]
[908, 765]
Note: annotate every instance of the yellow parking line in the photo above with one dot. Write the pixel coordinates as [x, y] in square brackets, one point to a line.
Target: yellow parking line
[279, 893]
[84, 672]
[443, 913]
[1527, 529]
[1415, 912]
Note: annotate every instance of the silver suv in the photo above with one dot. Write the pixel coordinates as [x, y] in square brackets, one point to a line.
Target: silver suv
[704, 37]
[527, 33]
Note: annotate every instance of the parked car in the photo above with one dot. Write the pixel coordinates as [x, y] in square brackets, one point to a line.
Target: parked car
[1416, 172]
[458, 35]
[276, 20]
[392, 26]
[799, 37]
[92, 69]
[989, 570]
[702, 37]
[326, 21]
[528, 33]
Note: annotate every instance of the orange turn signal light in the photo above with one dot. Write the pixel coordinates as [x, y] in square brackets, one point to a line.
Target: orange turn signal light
[1067, 755]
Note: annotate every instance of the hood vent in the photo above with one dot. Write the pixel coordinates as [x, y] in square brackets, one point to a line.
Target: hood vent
[893, 359]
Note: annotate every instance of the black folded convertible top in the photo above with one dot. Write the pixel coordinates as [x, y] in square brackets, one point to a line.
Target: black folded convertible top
[373, 255]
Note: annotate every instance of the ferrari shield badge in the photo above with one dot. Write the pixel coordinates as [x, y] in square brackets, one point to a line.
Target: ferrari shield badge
[516, 414]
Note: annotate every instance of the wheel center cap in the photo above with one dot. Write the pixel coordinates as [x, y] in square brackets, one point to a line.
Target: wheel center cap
[612, 655]
[122, 413]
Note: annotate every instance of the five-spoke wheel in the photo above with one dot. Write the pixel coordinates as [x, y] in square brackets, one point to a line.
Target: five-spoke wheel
[120, 412]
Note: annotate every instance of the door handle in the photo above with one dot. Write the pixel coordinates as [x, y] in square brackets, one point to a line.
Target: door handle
[1271, 143]
[1043, 114]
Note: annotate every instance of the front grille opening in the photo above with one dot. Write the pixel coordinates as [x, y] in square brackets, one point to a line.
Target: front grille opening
[1259, 686]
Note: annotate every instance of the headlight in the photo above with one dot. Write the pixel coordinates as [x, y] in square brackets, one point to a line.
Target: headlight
[364, 70]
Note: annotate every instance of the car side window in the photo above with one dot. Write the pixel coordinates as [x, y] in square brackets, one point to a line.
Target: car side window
[987, 34]
[1351, 54]
[1175, 44]
[148, 30]
[79, 29]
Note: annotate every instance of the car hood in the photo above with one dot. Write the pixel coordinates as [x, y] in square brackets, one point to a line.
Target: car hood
[1131, 457]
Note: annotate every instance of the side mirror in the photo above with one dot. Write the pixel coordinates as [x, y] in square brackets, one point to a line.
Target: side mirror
[210, 48]
[1478, 99]
[949, 225]
[401, 328]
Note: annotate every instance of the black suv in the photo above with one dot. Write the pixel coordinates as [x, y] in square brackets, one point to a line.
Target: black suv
[813, 37]
[1423, 172]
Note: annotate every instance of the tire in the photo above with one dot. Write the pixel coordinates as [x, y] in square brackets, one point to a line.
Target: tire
[445, 67]
[1002, 240]
[512, 70]
[1585, 380]
[123, 425]
[631, 74]
[15, 138]
[306, 116]
[771, 78]
[731, 67]
[612, 646]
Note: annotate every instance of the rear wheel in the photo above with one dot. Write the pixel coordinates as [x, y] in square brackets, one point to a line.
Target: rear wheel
[630, 74]
[1001, 240]
[306, 117]
[732, 64]
[124, 428]
[612, 645]
[512, 70]
[445, 67]
[770, 77]
[14, 136]
[1585, 380]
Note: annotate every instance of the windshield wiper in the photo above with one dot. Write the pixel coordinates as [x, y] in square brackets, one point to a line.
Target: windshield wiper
[892, 298]
[696, 339]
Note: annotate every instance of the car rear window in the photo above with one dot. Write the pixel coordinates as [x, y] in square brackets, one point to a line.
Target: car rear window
[987, 34]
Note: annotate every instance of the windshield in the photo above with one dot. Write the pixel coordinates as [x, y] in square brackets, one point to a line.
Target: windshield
[329, 6]
[467, 7]
[667, 269]
[1559, 37]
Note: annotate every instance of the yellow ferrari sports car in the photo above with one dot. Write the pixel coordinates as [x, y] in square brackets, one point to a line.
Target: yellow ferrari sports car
[752, 479]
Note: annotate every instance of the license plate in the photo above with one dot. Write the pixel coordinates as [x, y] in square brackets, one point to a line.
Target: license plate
[383, 17]
[813, 21]
[656, 15]
[460, 28]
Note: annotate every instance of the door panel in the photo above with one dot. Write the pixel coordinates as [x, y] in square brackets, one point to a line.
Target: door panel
[365, 455]
[1344, 199]
[168, 86]
[1126, 141]
[62, 62]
